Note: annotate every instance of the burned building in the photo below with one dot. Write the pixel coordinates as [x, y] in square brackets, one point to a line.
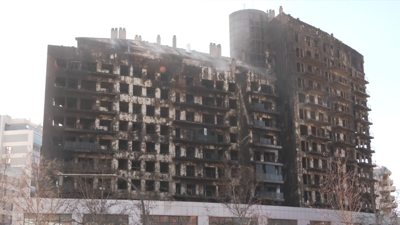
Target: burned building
[322, 99]
[171, 120]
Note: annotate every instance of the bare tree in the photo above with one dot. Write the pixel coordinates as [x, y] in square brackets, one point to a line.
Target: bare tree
[238, 195]
[37, 193]
[341, 188]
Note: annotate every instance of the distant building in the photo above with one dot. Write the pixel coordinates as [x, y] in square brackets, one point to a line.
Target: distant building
[385, 202]
[19, 140]
[7, 178]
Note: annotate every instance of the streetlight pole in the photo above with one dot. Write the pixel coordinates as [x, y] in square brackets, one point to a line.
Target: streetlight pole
[62, 175]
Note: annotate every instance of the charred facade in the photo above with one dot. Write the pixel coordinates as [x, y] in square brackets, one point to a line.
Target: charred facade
[322, 100]
[173, 121]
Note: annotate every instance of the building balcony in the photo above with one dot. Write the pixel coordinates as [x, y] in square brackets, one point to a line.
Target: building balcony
[90, 129]
[317, 122]
[202, 177]
[358, 77]
[200, 124]
[271, 178]
[196, 197]
[339, 98]
[339, 70]
[365, 163]
[368, 135]
[340, 84]
[201, 140]
[85, 73]
[313, 61]
[343, 143]
[263, 93]
[86, 147]
[214, 158]
[339, 112]
[196, 88]
[316, 105]
[363, 120]
[266, 143]
[317, 169]
[63, 90]
[314, 76]
[259, 124]
[388, 189]
[316, 153]
[366, 107]
[210, 106]
[318, 136]
[340, 127]
[269, 195]
[260, 107]
[315, 90]
[94, 111]
[361, 93]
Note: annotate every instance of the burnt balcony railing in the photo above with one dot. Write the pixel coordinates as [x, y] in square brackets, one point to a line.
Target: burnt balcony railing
[365, 134]
[361, 92]
[85, 146]
[364, 106]
[270, 195]
[266, 142]
[314, 75]
[199, 138]
[342, 98]
[269, 177]
[263, 125]
[360, 77]
[263, 108]
[364, 119]
[89, 128]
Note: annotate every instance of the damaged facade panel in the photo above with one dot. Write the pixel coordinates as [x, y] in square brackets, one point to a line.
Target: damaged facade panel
[322, 101]
[170, 121]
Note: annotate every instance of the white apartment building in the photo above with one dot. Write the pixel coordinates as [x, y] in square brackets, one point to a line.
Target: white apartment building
[385, 201]
[19, 139]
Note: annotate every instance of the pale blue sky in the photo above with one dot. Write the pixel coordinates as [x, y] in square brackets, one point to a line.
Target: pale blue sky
[370, 27]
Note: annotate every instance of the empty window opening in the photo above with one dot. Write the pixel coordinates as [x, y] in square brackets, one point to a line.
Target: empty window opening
[150, 128]
[124, 107]
[87, 104]
[136, 108]
[61, 63]
[232, 121]
[136, 146]
[232, 103]
[150, 166]
[220, 102]
[164, 148]
[164, 130]
[60, 82]
[190, 172]
[233, 138]
[123, 145]
[190, 152]
[177, 151]
[164, 186]
[164, 167]
[220, 119]
[72, 84]
[219, 85]
[123, 125]
[88, 66]
[150, 147]
[302, 98]
[151, 92]
[190, 116]
[208, 101]
[209, 84]
[189, 81]
[137, 72]
[164, 94]
[150, 110]
[232, 87]
[189, 98]
[164, 112]
[135, 165]
[303, 130]
[177, 115]
[137, 90]
[177, 97]
[234, 155]
[137, 184]
[124, 88]
[208, 118]
[122, 164]
[105, 144]
[60, 102]
[122, 185]
[124, 70]
[107, 68]
[150, 186]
